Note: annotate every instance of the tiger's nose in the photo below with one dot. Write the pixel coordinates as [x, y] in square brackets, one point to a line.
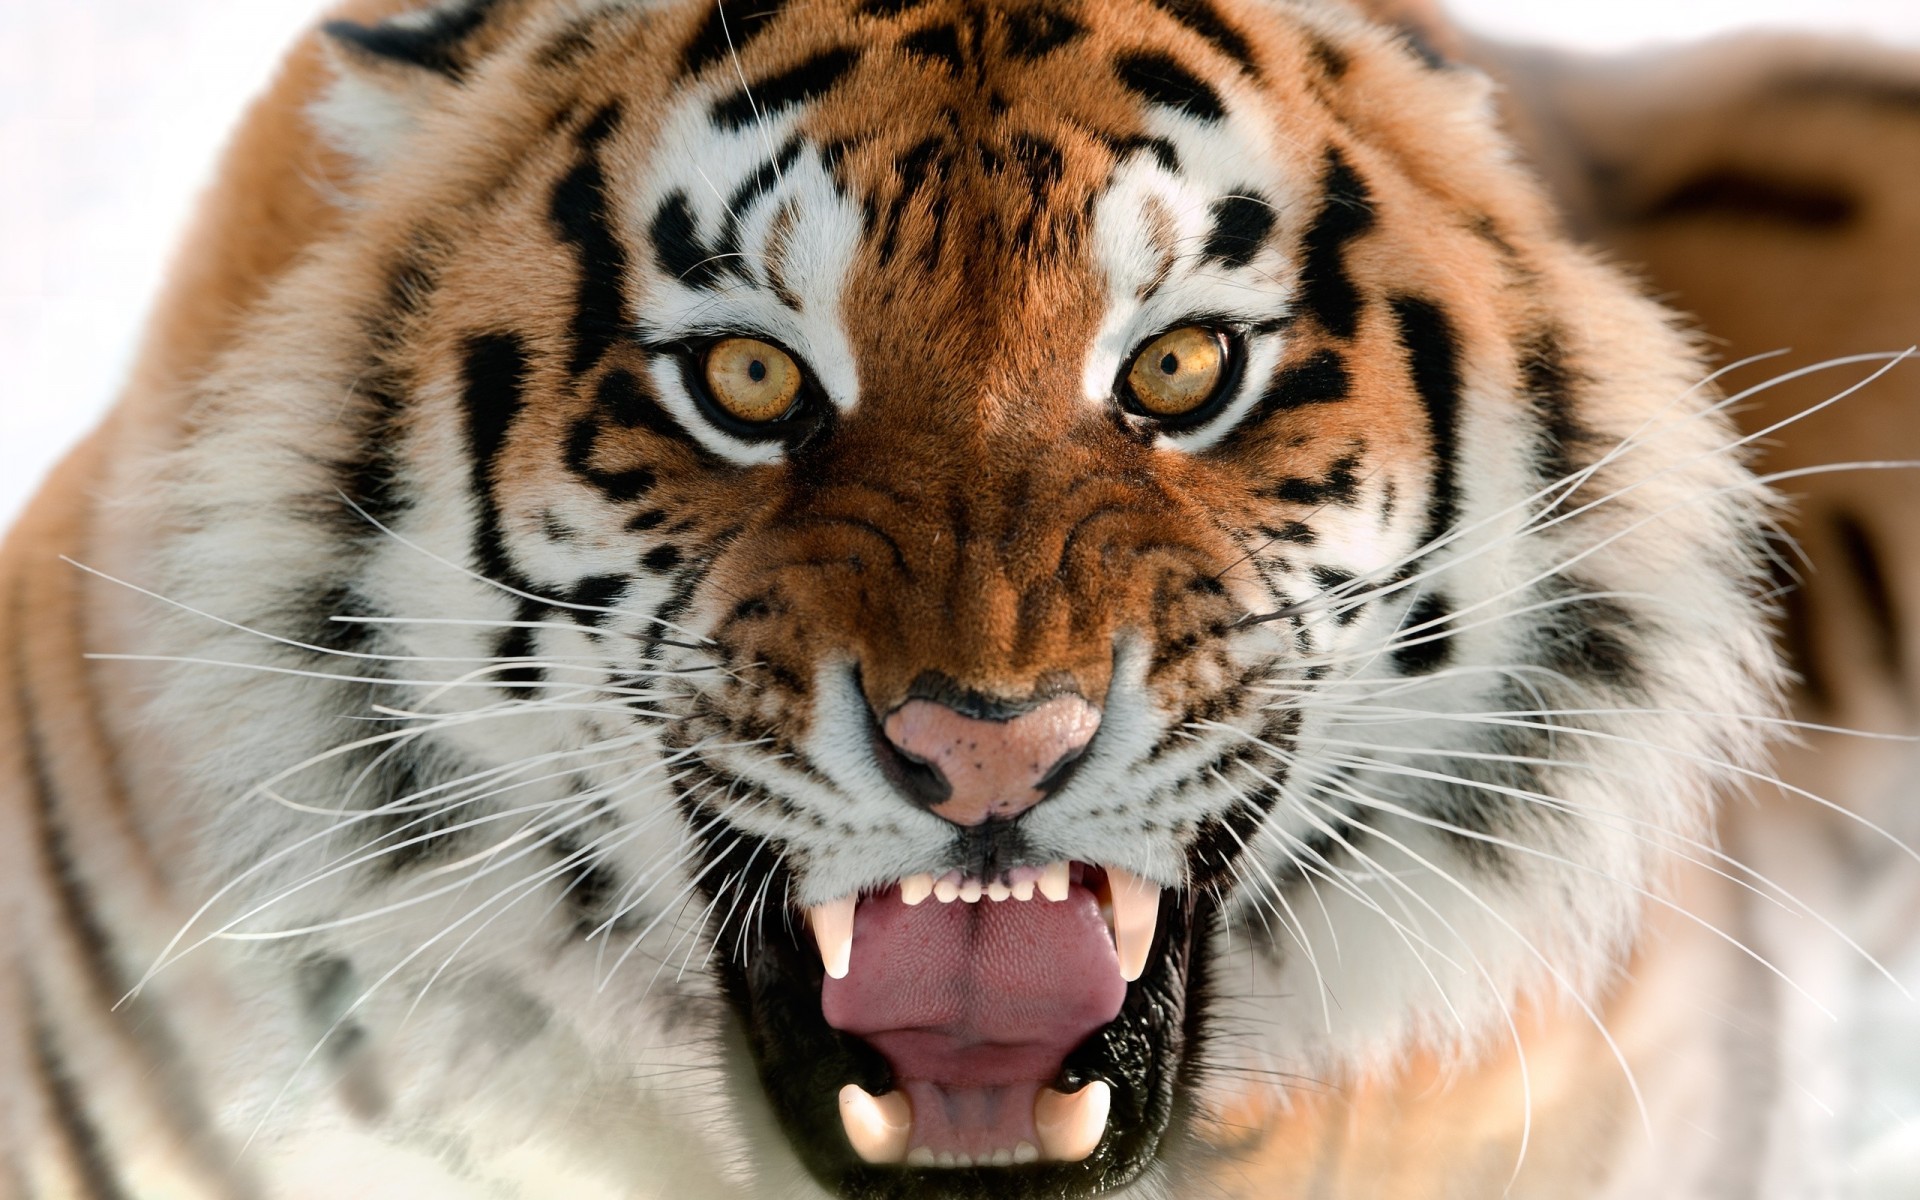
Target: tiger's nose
[970, 770]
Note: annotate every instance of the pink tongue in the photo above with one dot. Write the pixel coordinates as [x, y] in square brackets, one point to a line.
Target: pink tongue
[975, 1006]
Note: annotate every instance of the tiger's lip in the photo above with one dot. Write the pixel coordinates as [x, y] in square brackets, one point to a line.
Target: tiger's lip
[805, 1065]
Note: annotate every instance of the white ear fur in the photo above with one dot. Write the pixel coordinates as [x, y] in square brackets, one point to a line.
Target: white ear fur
[368, 113]
[386, 75]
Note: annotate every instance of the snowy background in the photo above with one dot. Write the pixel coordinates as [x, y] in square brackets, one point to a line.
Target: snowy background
[111, 112]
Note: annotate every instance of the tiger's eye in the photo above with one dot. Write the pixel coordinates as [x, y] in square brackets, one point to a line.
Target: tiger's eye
[751, 380]
[1178, 372]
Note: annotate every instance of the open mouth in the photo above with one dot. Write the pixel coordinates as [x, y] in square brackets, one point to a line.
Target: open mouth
[1027, 1034]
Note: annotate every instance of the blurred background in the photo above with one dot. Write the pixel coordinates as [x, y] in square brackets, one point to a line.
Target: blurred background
[111, 113]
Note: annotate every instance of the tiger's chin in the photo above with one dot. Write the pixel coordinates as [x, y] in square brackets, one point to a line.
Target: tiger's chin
[1027, 1034]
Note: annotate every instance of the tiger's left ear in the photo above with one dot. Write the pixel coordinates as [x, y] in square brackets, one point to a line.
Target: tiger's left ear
[388, 73]
[1423, 25]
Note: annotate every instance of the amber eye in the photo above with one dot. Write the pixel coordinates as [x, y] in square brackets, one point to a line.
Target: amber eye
[1177, 373]
[752, 381]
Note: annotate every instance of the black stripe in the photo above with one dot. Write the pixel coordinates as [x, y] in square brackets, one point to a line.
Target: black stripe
[1550, 384]
[595, 591]
[802, 83]
[1123, 148]
[1797, 625]
[495, 369]
[372, 477]
[1583, 636]
[1201, 18]
[941, 43]
[620, 487]
[1339, 486]
[1433, 359]
[723, 34]
[81, 917]
[677, 246]
[82, 1136]
[579, 215]
[1241, 224]
[1158, 79]
[1038, 31]
[724, 255]
[629, 402]
[1876, 592]
[1738, 194]
[1322, 379]
[1430, 648]
[1331, 60]
[1327, 290]
[928, 158]
[434, 45]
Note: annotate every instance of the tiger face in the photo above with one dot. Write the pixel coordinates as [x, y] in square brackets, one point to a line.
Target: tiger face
[979, 573]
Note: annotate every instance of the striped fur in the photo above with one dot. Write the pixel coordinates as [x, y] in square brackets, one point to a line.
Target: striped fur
[495, 703]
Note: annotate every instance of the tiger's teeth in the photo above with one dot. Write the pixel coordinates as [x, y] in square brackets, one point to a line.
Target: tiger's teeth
[1136, 913]
[915, 889]
[947, 889]
[1070, 1126]
[1026, 1152]
[1023, 889]
[879, 1127]
[1054, 881]
[998, 892]
[970, 890]
[833, 930]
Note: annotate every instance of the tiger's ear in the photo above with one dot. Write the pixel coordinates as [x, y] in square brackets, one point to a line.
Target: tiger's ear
[1423, 24]
[389, 72]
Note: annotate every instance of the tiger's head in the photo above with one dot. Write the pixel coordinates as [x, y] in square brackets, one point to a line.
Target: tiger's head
[968, 575]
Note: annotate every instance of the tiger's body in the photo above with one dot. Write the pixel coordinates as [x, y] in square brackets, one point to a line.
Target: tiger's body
[511, 706]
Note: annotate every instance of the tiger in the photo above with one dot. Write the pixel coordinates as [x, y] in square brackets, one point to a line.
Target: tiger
[963, 598]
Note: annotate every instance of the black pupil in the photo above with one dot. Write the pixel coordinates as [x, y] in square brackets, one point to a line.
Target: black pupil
[1170, 364]
[757, 371]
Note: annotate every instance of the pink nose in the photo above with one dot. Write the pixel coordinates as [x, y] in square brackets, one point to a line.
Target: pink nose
[990, 770]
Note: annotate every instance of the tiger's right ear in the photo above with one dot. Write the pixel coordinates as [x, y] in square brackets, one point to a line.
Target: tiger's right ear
[388, 73]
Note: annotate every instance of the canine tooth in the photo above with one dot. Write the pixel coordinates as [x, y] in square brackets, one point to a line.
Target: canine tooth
[1023, 889]
[1136, 912]
[833, 929]
[920, 1156]
[1026, 1152]
[915, 888]
[1002, 1157]
[878, 1126]
[997, 891]
[1054, 882]
[970, 890]
[1070, 1126]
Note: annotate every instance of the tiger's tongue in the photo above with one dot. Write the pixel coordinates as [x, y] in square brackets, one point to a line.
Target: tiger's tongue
[975, 1006]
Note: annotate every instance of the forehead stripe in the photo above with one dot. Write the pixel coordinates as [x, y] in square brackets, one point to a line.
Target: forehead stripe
[802, 83]
[1202, 18]
[579, 214]
[1036, 32]
[1327, 291]
[724, 33]
[1158, 79]
[1241, 224]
